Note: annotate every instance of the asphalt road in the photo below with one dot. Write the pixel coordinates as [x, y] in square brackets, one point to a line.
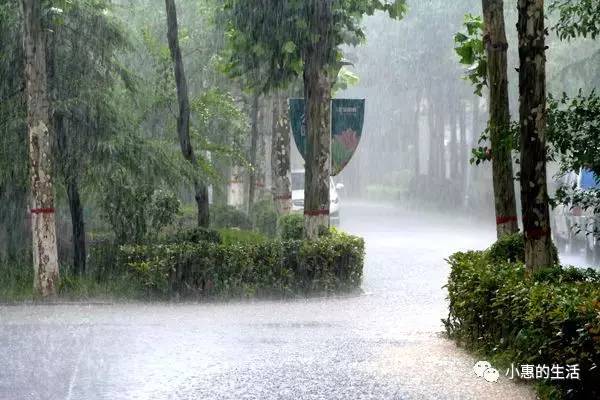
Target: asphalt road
[383, 344]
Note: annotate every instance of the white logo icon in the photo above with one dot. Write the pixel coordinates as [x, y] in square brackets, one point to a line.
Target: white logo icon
[483, 369]
[480, 368]
[491, 375]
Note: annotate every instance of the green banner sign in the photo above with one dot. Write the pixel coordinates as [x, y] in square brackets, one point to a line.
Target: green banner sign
[347, 119]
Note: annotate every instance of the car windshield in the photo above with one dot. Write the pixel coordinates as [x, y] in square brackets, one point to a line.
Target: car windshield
[589, 180]
[298, 181]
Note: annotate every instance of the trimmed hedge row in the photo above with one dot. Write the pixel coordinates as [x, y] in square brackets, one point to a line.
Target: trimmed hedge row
[265, 268]
[551, 318]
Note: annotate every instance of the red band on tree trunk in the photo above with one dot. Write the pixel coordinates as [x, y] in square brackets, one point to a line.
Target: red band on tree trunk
[316, 213]
[42, 210]
[283, 197]
[505, 220]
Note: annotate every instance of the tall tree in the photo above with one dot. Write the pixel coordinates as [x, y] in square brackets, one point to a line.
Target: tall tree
[43, 223]
[280, 157]
[317, 57]
[499, 120]
[532, 97]
[281, 40]
[183, 121]
[253, 151]
[14, 177]
[417, 128]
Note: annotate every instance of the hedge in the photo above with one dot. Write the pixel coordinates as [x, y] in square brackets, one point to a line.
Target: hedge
[291, 226]
[263, 268]
[550, 318]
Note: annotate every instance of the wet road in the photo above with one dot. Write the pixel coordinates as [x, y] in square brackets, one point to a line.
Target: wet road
[385, 344]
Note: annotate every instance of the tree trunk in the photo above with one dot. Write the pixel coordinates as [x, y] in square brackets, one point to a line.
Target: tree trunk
[417, 133]
[43, 223]
[432, 161]
[78, 225]
[441, 141]
[317, 95]
[74, 199]
[532, 96]
[220, 189]
[183, 121]
[472, 139]
[453, 157]
[463, 158]
[202, 198]
[280, 158]
[67, 161]
[499, 123]
[253, 152]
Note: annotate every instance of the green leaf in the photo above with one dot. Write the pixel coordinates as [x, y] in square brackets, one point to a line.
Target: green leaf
[289, 47]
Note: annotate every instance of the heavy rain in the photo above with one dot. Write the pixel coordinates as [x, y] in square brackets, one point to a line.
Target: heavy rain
[299, 199]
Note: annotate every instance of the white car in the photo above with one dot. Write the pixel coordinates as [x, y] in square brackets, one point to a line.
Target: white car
[298, 196]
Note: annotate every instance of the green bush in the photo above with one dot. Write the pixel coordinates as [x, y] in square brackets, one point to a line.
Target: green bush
[138, 212]
[246, 269]
[264, 217]
[16, 285]
[229, 217]
[233, 236]
[103, 259]
[16, 282]
[291, 226]
[196, 235]
[551, 318]
[511, 248]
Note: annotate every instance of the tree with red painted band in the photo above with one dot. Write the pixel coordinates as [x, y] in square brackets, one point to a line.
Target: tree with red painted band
[532, 96]
[281, 41]
[43, 223]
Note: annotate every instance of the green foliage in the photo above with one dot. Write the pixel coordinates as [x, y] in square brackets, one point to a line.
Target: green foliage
[580, 18]
[345, 79]
[220, 126]
[13, 139]
[266, 43]
[264, 217]
[138, 212]
[574, 131]
[291, 227]
[197, 235]
[164, 206]
[103, 259]
[16, 285]
[117, 287]
[471, 51]
[238, 236]
[574, 134]
[482, 153]
[229, 217]
[15, 282]
[509, 248]
[551, 318]
[249, 268]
